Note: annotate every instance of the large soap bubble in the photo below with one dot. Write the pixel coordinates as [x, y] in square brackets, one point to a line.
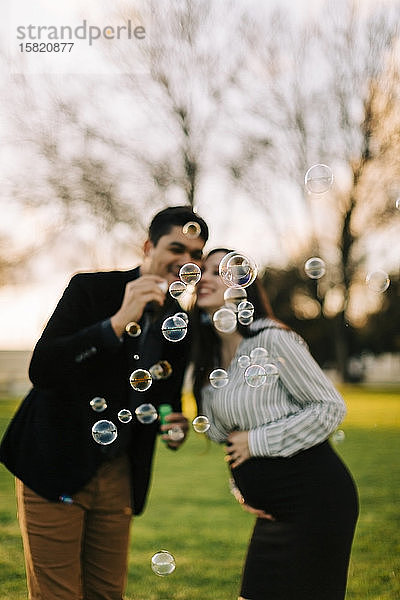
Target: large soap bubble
[237, 270]
[224, 320]
[104, 432]
[190, 273]
[174, 328]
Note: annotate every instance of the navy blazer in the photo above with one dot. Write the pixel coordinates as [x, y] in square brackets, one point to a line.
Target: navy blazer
[48, 444]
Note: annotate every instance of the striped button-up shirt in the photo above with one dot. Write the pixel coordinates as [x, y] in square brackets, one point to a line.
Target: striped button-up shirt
[297, 410]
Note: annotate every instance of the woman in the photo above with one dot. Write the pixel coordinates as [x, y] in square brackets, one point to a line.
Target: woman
[276, 438]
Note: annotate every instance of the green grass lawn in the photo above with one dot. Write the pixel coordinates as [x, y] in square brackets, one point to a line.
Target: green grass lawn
[192, 514]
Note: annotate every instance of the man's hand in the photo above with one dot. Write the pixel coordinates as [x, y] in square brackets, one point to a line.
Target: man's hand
[147, 288]
[175, 420]
[237, 450]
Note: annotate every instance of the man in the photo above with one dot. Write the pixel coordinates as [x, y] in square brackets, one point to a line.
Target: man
[76, 496]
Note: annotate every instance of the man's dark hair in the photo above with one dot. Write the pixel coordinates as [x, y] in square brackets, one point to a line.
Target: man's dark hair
[172, 216]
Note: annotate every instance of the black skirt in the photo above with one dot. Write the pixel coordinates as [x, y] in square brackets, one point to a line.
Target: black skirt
[304, 553]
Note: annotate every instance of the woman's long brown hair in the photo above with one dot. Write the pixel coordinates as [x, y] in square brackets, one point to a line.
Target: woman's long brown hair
[206, 344]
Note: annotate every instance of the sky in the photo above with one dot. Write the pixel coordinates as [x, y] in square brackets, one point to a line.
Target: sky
[25, 307]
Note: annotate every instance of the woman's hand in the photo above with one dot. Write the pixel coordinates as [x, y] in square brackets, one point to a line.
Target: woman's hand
[258, 512]
[237, 450]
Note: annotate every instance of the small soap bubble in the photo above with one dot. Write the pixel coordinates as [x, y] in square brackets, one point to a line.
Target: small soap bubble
[255, 376]
[136, 357]
[378, 281]
[234, 297]
[176, 433]
[318, 179]
[245, 317]
[237, 270]
[98, 404]
[191, 229]
[244, 361]
[177, 288]
[163, 563]
[338, 436]
[315, 267]
[146, 414]
[245, 313]
[246, 305]
[219, 378]
[259, 355]
[104, 432]
[271, 372]
[140, 380]
[190, 274]
[183, 316]
[201, 424]
[133, 329]
[161, 370]
[224, 320]
[125, 415]
[174, 329]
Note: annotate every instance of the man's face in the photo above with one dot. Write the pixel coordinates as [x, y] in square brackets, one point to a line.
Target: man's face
[171, 252]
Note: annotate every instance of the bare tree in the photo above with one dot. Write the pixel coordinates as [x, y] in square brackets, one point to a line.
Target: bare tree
[330, 94]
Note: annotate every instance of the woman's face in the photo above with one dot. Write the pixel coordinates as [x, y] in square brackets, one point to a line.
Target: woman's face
[210, 289]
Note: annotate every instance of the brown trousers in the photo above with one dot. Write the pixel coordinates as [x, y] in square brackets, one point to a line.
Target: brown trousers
[78, 551]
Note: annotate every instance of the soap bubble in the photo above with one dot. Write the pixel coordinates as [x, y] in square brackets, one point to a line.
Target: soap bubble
[98, 404]
[176, 433]
[255, 376]
[104, 432]
[161, 370]
[318, 179]
[133, 329]
[146, 414]
[245, 313]
[191, 229]
[174, 329]
[338, 436]
[315, 267]
[271, 372]
[219, 378]
[201, 424]
[125, 415]
[183, 316]
[224, 320]
[136, 356]
[237, 270]
[259, 355]
[190, 273]
[177, 288]
[245, 317]
[246, 305]
[244, 361]
[163, 563]
[378, 281]
[234, 297]
[140, 380]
